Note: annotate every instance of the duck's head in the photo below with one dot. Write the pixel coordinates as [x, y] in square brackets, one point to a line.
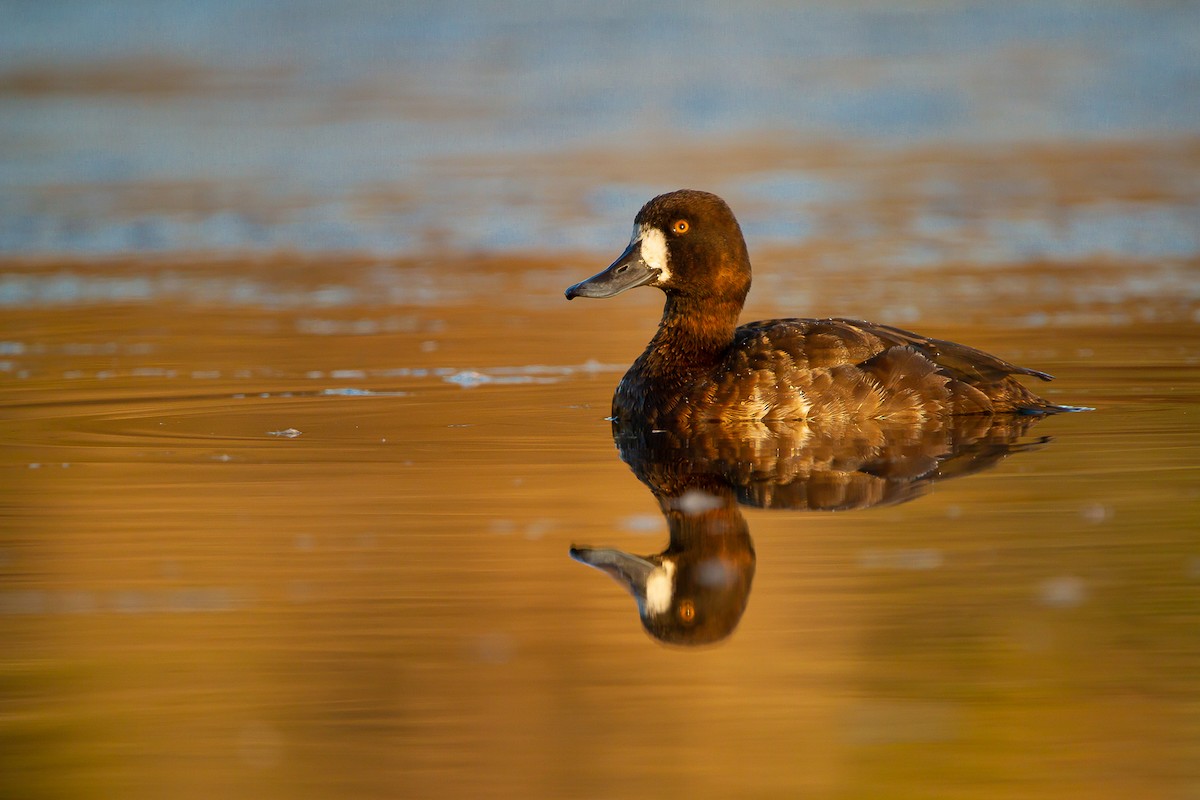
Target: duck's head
[695, 591]
[686, 243]
[682, 598]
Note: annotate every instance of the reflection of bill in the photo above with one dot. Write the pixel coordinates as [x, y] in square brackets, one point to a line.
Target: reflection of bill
[695, 591]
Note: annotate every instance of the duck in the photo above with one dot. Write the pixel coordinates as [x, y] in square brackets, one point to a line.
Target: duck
[700, 366]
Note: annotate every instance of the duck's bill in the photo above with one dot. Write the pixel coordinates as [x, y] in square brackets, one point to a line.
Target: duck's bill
[626, 272]
[629, 570]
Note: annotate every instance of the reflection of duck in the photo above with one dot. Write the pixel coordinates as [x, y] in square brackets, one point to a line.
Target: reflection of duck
[695, 591]
[701, 366]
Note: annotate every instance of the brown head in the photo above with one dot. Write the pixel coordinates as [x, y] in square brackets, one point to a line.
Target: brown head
[695, 592]
[686, 243]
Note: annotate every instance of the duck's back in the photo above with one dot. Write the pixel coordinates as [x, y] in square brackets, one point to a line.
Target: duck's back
[840, 369]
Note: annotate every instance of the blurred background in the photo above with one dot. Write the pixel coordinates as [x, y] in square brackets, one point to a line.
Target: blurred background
[296, 427]
[389, 128]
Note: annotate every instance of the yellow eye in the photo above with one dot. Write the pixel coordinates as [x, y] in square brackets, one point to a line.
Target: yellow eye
[681, 226]
[687, 611]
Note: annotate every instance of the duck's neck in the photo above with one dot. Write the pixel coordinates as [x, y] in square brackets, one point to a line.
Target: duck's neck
[694, 335]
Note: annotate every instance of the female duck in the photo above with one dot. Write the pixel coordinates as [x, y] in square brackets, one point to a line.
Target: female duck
[700, 366]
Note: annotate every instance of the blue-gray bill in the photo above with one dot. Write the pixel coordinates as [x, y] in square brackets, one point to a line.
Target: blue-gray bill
[627, 272]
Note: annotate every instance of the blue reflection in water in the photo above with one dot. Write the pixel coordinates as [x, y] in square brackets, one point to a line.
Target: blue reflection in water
[399, 128]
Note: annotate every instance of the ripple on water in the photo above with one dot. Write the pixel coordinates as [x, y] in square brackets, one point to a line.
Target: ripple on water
[202, 416]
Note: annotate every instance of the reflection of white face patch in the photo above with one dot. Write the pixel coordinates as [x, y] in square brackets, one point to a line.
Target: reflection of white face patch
[659, 588]
[654, 250]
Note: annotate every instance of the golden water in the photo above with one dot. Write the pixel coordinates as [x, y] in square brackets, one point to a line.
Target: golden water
[197, 605]
[297, 432]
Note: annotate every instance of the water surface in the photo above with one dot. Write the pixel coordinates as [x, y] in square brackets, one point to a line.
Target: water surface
[297, 431]
[307, 551]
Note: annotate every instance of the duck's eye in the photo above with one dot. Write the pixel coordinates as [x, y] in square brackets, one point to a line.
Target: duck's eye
[681, 226]
[687, 611]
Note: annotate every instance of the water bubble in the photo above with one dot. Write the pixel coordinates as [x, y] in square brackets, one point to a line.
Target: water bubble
[289, 433]
[502, 526]
[696, 501]
[716, 573]
[77, 602]
[642, 523]
[468, 379]
[494, 648]
[1065, 591]
[346, 391]
[1096, 513]
[259, 745]
[538, 528]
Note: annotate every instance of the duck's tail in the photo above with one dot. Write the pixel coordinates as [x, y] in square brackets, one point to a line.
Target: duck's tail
[1052, 408]
[1005, 396]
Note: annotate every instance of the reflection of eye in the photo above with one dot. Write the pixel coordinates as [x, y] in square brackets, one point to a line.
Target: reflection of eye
[681, 226]
[687, 610]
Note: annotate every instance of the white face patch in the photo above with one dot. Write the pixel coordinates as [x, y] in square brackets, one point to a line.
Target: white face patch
[654, 250]
[660, 588]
